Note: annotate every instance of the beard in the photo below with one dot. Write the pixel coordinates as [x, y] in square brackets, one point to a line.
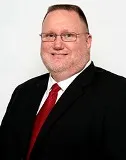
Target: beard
[55, 67]
[66, 63]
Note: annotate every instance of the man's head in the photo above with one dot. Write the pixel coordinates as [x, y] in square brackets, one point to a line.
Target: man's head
[66, 42]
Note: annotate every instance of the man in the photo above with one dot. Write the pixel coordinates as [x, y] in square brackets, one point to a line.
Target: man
[89, 116]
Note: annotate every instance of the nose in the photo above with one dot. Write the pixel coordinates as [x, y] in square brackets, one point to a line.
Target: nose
[58, 43]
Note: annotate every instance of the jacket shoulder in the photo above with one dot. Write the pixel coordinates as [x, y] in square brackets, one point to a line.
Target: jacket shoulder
[34, 81]
[109, 77]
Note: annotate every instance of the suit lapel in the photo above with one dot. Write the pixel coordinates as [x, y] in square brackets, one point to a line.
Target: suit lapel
[34, 95]
[74, 91]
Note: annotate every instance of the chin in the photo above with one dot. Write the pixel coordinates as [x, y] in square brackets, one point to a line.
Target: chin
[55, 69]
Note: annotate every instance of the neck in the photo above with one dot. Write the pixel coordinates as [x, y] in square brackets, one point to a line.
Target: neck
[60, 76]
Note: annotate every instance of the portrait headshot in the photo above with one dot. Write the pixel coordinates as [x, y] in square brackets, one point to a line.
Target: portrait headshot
[77, 108]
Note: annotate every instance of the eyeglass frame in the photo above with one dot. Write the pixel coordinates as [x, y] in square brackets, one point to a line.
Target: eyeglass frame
[61, 36]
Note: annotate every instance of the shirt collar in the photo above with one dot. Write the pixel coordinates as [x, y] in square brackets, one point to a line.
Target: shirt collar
[65, 83]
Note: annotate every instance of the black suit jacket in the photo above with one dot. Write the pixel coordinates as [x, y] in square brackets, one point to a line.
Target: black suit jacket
[88, 121]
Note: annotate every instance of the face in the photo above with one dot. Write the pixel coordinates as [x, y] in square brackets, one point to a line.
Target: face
[60, 56]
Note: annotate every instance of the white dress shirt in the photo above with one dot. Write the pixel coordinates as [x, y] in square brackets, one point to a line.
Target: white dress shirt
[63, 85]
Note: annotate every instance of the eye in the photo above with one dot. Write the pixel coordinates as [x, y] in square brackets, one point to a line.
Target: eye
[49, 35]
[68, 35]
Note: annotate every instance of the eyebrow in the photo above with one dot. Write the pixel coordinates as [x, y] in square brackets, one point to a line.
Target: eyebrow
[63, 31]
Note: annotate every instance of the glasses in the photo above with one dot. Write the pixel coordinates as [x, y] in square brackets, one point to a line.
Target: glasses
[66, 37]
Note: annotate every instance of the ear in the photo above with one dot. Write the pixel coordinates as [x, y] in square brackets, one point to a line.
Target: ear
[89, 40]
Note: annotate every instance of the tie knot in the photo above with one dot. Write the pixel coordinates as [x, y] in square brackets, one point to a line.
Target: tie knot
[55, 88]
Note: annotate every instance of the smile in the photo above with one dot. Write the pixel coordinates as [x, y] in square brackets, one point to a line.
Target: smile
[56, 54]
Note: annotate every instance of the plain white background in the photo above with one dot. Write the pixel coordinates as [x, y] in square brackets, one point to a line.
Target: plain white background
[20, 25]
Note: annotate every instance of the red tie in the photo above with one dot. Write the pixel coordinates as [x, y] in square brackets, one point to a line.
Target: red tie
[42, 115]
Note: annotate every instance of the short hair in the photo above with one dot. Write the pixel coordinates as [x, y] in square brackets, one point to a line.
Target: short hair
[69, 7]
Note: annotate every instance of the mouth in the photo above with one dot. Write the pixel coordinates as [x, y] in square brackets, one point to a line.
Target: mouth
[58, 54]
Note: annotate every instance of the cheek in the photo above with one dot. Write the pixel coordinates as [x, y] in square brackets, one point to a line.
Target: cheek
[82, 46]
[45, 48]
[72, 46]
[80, 51]
[77, 48]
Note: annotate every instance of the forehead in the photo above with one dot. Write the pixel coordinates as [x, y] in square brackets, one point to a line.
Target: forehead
[62, 19]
